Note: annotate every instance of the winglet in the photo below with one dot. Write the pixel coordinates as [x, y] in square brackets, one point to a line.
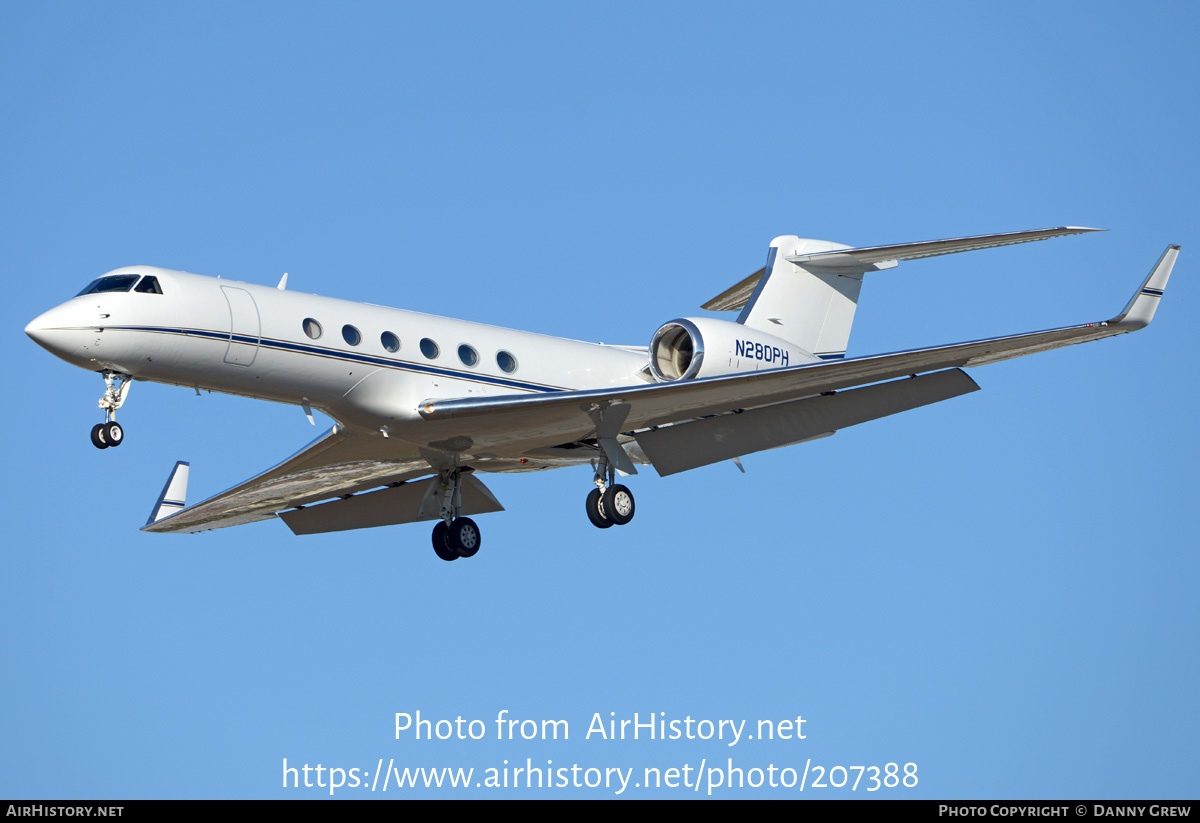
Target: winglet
[174, 494]
[1140, 309]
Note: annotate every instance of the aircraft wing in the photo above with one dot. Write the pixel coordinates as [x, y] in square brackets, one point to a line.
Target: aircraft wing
[540, 420]
[339, 462]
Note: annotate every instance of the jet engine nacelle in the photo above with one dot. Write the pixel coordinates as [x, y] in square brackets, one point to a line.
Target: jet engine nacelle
[692, 347]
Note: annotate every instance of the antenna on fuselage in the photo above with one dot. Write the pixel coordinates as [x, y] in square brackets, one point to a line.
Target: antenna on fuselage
[282, 282]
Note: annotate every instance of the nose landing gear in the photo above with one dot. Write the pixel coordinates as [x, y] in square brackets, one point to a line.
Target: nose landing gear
[110, 433]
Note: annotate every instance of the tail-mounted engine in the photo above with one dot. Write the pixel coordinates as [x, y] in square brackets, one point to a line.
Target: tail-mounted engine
[691, 347]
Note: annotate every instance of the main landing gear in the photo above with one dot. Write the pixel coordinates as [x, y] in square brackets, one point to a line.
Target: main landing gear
[110, 433]
[609, 504]
[454, 536]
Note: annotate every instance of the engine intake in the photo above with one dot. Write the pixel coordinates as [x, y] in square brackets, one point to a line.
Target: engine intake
[676, 351]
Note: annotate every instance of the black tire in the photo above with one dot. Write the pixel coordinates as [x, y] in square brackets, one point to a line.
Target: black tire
[618, 504]
[98, 436]
[439, 542]
[113, 434]
[595, 511]
[463, 537]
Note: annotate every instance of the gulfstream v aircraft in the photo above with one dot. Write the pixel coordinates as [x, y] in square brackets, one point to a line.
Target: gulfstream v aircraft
[422, 403]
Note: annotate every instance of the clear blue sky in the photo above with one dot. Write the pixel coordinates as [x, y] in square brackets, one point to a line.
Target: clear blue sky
[1000, 589]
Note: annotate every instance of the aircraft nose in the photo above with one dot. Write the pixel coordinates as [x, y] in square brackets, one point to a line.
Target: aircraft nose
[37, 328]
[56, 331]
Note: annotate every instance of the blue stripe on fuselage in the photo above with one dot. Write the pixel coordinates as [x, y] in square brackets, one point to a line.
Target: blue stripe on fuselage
[283, 345]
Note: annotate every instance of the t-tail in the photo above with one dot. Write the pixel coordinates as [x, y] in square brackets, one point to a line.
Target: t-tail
[808, 290]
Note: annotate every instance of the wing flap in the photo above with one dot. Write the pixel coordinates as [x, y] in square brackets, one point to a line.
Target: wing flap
[386, 507]
[678, 448]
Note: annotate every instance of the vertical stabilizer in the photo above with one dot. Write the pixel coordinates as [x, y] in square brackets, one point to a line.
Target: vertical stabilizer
[806, 304]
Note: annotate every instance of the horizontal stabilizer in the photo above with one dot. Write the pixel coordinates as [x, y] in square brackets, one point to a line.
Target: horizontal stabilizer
[385, 507]
[174, 494]
[685, 446]
[871, 258]
[869, 255]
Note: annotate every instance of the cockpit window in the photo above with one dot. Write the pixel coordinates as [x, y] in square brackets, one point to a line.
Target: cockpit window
[115, 282]
[148, 285]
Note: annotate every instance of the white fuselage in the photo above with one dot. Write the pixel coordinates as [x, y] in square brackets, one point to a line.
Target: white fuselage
[240, 338]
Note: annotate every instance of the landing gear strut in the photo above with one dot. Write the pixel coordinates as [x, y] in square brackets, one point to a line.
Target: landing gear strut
[454, 536]
[609, 504]
[116, 388]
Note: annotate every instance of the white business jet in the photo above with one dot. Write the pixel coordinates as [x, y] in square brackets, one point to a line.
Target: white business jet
[422, 403]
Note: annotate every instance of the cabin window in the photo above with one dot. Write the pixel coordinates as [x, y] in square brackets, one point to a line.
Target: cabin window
[351, 335]
[429, 348]
[390, 341]
[312, 328]
[148, 285]
[468, 355]
[112, 283]
[506, 362]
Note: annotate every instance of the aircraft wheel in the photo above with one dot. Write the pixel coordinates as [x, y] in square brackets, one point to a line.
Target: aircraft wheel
[439, 542]
[98, 436]
[595, 510]
[463, 537]
[618, 504]
[113, 434]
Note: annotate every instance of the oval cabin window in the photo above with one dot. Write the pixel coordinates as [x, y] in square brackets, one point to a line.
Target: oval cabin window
[506, 362]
